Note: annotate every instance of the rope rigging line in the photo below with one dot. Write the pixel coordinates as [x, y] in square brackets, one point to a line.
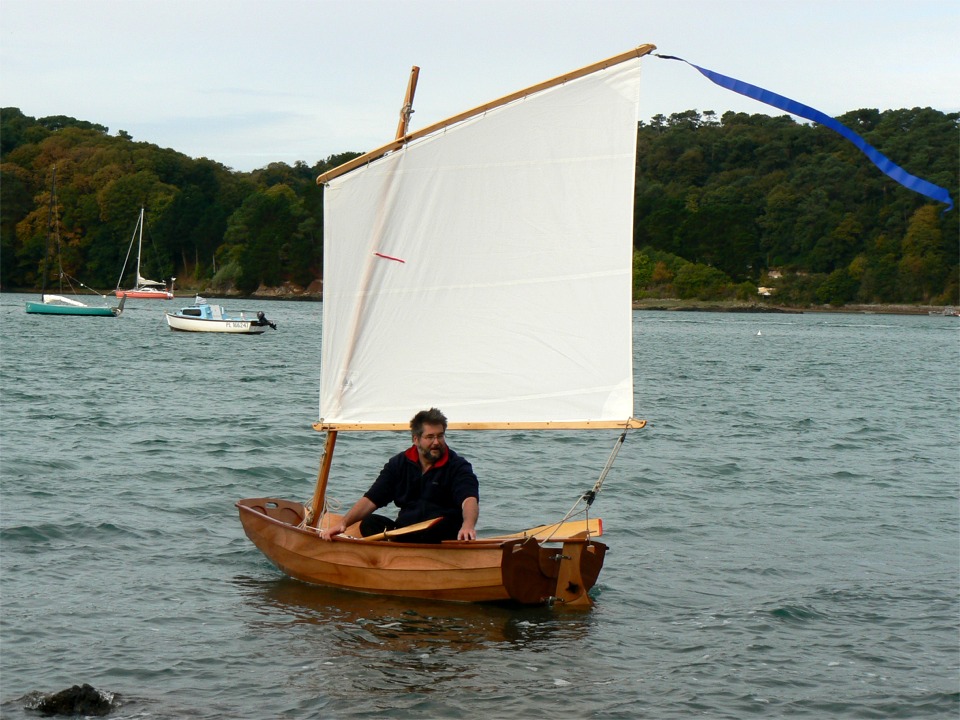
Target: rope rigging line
[329, 505]
[589, 496]
[70, 277]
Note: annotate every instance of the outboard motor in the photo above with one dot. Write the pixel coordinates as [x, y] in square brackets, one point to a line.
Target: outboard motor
[262, 320]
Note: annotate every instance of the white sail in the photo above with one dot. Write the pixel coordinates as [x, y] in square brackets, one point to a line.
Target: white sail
[486, 269]
[61, 300]
[142, 281]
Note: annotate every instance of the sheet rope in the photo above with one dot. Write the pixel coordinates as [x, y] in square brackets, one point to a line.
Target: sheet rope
[70, 280]
[588, 497]
[329, 505]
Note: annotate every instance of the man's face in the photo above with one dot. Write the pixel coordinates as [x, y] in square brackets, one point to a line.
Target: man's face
[431, 444]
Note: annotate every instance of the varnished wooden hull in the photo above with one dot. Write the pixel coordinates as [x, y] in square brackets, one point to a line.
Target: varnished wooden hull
[518, 569]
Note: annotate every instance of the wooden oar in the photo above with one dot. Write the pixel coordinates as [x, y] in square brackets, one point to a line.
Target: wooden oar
[405, 530]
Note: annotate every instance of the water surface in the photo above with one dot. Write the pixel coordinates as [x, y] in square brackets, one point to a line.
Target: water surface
[783, 535]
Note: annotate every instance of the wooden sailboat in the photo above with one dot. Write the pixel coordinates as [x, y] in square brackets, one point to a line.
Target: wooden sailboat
[143, 289]
[60, 304]
[481, 265]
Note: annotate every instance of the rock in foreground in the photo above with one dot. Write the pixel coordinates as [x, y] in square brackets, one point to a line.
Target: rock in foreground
[77, 700]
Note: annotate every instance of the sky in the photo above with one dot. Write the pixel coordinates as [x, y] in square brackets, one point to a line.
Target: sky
[251, 82]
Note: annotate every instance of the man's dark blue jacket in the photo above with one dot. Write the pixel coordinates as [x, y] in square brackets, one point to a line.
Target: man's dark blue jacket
[422, 496]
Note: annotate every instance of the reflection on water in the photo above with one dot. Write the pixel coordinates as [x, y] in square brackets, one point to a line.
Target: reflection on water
[427, 656]
[356, 621]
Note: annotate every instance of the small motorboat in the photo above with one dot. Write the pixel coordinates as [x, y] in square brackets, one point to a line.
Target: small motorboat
[204, 317]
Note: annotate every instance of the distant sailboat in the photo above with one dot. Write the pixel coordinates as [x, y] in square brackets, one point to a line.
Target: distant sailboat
[143, 288]
[59, 304]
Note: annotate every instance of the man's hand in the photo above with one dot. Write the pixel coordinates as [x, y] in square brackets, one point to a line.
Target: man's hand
[361, 509]
[331, 532]
[471, 511]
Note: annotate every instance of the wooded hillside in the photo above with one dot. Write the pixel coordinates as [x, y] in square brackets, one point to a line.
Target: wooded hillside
[740, 195]
[720, 203]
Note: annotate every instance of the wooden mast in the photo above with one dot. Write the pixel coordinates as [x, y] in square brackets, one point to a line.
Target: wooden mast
[407, 110]
[323, 476]
[320, 493]
[400, 141]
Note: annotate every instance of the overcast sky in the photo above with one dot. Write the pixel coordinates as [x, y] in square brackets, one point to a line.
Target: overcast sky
[250, 82]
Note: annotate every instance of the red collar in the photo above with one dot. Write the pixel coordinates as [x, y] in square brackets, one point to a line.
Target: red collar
[413, 455]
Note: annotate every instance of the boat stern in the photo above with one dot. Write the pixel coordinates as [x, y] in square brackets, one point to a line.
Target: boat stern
[535, 573]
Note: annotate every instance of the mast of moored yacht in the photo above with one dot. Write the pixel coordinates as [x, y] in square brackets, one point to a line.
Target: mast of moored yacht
[138, 226]
[46, 244]
[139, 247]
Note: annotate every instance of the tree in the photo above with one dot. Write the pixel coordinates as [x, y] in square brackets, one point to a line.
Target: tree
[642, 273]
[17, 187]
[922, 268]
[838, 289]
[695, 280]
[268, 228]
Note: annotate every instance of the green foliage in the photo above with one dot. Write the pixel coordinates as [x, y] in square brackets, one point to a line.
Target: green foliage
[752, 193]
[695, 280]
[226, 277]
[661, 274]
[837, 289]
[923, 268]
[642, 273]
[719, 204]
[270, 227]
[209, 226]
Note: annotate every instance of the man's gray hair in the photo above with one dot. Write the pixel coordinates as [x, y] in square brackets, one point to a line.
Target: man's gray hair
[427, 417]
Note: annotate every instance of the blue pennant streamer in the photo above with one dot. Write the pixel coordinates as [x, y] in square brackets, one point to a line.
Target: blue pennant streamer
[889, 167]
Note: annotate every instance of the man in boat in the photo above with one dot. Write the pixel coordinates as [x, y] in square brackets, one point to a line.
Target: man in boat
[426, 481]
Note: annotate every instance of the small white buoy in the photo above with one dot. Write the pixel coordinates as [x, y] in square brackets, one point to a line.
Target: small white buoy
[759, 333]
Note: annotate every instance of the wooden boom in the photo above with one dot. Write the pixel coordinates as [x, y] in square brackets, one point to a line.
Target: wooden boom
[629, 423]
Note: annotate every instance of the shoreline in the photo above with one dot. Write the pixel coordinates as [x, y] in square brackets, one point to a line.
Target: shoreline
[733, 306]
[646, 304]
[677, 305]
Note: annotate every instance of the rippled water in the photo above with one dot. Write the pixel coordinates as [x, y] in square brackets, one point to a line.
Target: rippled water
[784, 535]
